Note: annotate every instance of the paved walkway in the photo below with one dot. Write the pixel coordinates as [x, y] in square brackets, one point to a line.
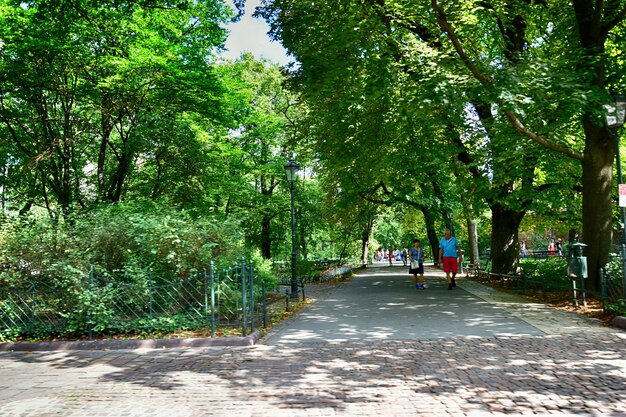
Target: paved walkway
[466, 352]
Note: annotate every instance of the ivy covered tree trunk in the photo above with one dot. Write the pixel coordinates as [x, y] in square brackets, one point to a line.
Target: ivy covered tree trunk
[504, 238]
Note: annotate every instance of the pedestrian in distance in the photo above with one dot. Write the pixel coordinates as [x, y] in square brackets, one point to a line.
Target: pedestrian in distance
[390, 255]
[559, 247]
[551, 248]
[416, 259]
[449, 255]
[523, 249]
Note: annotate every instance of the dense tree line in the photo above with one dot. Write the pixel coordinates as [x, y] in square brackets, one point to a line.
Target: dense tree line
[127, 104]
[454, 107]
[423, 114]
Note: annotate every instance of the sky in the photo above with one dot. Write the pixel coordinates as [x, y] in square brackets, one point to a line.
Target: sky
[250, 34]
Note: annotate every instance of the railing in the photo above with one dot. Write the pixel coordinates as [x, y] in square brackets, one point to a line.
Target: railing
[612, 281]
[542, 254]
[207, 301]
[520, 279]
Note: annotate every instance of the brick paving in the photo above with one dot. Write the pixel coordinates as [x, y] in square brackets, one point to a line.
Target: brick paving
[569, 373]
[550, 375]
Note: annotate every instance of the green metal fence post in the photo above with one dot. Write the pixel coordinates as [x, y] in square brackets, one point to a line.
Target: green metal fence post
[33, 304]
[89, 292]
[205, 290]
[603, 289]
[150, 292]
[212, 277]
[263, 304]
[243, 296]
[251, 275]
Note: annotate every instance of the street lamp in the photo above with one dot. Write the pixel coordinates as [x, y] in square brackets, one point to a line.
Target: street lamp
[291, 169]
[615, 115]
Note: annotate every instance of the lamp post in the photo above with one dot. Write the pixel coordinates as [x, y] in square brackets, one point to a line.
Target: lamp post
[615, 115]
[291, 169]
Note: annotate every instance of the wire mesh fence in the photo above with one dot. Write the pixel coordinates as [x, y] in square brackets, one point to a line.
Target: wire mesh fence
[613, 280]
[209, 300]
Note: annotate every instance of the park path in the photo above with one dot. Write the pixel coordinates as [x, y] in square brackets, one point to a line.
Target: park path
[351, 368]
[381, 303]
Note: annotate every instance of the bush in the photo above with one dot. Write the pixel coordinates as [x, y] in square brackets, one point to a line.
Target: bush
[618, 308]
[122, 241]
[550, 272]
[131, 247]
[265, 272]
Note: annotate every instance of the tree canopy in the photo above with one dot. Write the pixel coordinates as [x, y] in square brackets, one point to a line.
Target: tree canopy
[437, 112]
[496, 102]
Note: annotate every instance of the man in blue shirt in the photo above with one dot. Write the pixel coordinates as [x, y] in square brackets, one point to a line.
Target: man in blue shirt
[449, 250]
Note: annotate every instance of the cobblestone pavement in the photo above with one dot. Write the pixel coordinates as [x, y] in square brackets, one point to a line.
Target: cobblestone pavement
[567, 373]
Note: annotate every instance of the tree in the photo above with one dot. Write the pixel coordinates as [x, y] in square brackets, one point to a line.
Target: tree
[80, 84]
[583, 47]
[264, 110]
[515, 59]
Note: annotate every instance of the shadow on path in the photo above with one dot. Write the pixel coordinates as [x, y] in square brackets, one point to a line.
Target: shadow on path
[373, 346]
[382, 303]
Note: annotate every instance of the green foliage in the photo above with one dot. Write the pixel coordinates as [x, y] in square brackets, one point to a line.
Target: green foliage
[387, 234]
[122, 241]
[551, 273]
[264, 270]
[93, 91]
[618, 308]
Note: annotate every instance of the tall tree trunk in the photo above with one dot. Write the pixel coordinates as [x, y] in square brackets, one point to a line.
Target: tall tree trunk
[365, 241]
[266, 237]
[116, 186]
[572, 237]
[597, 182]
[504, 238]
[473, 241]
[302, 238]
[599, 146]
[344, 247]
[433, 239]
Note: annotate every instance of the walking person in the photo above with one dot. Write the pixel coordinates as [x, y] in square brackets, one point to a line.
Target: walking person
[559, 247]
[449, 251]
[416, 259]
[390, 255]
[404, 255]
[523, 249]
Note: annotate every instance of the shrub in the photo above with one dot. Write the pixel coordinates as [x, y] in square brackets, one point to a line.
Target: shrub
[131, 247]
[123, 241]
[550, 272]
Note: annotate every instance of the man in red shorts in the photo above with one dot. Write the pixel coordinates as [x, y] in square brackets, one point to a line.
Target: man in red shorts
[449, 250]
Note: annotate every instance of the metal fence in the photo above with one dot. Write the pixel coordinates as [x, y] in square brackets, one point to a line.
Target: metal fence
[613, 288]
[209, 300]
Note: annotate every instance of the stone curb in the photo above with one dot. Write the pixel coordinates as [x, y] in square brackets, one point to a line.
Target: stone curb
[131, 344]
[619, 321]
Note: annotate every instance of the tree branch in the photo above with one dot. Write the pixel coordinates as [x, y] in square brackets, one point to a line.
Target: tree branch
[458, 47]
[487, 81]
[519, 126]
